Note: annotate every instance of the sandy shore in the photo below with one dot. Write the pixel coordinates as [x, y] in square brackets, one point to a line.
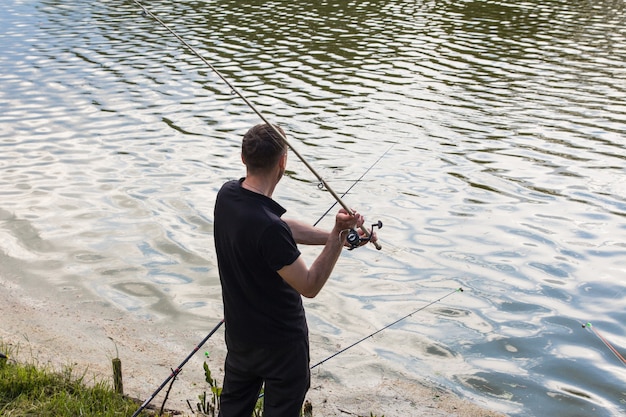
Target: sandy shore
[71, 330]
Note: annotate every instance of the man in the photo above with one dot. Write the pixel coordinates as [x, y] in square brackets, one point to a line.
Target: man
[263, 278]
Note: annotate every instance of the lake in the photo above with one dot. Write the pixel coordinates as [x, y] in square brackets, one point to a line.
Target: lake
[487, 136]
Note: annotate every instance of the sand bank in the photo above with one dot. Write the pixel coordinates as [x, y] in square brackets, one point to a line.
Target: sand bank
[72, 330]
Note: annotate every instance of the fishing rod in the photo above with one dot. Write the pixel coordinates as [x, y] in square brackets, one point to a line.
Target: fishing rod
[386, 327]
[236, 91]
[176, 371]
[383, 328]
[606, 343]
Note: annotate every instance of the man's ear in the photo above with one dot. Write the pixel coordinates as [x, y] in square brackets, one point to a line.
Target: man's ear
[283, 161]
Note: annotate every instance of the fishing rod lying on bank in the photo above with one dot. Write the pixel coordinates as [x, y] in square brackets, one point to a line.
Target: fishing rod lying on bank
[367, 233]
[176, 371]
[383, 328]
[386, 327]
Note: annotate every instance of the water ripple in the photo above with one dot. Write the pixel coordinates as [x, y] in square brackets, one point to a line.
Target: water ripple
[506, 175]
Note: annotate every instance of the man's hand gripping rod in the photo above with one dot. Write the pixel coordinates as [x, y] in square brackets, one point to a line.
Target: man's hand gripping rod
[367, 233]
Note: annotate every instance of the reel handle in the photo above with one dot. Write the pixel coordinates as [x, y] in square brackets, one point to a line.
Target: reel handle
[354, 240]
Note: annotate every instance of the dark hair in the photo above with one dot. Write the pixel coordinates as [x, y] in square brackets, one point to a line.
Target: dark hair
[261, 147]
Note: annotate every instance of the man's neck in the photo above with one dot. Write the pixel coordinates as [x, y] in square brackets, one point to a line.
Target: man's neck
[259, 185]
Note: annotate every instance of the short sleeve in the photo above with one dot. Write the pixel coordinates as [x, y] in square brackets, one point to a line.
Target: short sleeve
[278, 247]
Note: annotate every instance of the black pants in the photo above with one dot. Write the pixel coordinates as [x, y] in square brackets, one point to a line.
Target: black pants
[284, 369]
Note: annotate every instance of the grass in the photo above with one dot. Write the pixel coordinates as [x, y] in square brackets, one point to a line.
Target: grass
[29, 390]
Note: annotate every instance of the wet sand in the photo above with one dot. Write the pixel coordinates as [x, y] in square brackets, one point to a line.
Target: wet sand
[73, 330]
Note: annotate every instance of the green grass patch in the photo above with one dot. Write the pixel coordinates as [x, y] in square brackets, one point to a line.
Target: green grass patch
[30, 390]
[27, 389]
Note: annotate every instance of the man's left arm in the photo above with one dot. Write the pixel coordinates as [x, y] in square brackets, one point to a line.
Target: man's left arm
[305, 234]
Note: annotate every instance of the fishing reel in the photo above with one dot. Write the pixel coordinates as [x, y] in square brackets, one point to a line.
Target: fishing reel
[355, 240]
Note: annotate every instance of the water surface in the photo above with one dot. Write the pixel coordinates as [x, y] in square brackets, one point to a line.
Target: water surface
[502, 128]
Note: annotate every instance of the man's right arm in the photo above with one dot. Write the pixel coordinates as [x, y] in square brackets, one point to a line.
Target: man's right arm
[310, 281]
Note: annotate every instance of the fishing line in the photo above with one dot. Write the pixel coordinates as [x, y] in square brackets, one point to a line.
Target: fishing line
[386, 327]
[606, 343]
[236, 91]
[321, 186]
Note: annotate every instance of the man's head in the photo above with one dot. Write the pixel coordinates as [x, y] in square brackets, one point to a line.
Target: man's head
[262, 149]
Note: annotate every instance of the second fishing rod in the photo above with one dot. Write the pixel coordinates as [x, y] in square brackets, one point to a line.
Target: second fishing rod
[236, 91]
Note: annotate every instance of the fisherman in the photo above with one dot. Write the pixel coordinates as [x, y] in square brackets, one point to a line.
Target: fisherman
[263, 277]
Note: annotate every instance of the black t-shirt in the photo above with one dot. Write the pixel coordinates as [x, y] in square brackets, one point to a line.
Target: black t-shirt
[252, 243]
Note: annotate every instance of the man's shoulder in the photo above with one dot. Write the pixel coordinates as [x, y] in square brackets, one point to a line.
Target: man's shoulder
[230, 185]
